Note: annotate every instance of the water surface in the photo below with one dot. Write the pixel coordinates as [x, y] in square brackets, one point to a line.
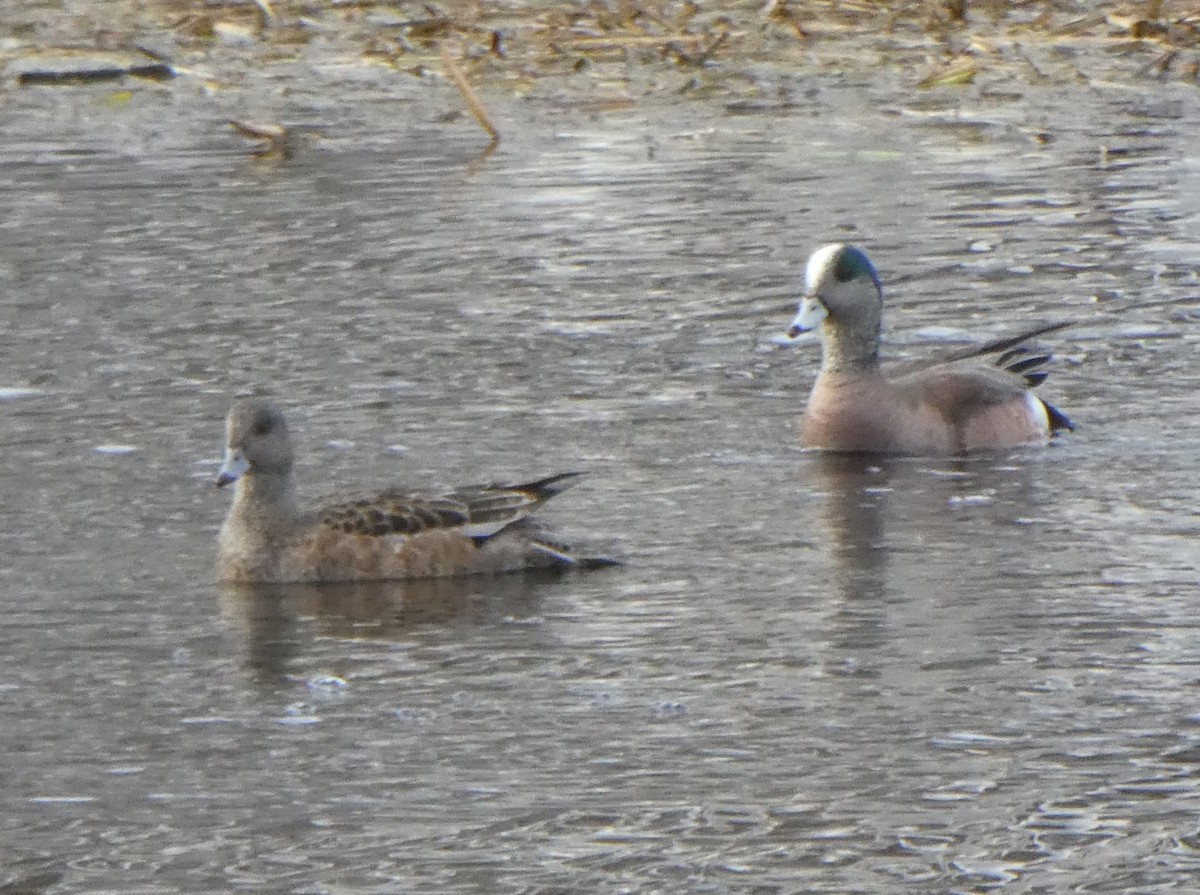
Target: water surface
[927, 676]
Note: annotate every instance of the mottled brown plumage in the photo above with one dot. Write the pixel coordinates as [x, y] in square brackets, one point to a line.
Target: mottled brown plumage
[266, 537]
[478, 507]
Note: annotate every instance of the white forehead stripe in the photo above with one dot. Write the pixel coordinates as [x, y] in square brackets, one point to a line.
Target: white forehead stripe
[818, 262]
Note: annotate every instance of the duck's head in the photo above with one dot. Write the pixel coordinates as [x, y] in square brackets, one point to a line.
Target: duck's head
[256, 441]
[840, 284]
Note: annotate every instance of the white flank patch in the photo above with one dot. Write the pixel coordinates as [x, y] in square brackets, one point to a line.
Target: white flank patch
[1037, 408]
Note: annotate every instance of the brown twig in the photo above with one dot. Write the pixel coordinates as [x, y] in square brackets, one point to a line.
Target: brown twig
[274, 140]
[468, 94]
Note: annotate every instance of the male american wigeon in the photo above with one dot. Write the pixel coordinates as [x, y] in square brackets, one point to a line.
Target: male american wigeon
[958, 404]
[267, 537]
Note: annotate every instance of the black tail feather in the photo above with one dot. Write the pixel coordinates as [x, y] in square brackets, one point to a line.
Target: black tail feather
[1006, 343]
[1058, 419]
[1029, 363]
[551, 485]
[560, 556]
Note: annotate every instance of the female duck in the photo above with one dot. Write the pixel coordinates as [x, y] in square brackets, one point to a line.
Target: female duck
[267, 537]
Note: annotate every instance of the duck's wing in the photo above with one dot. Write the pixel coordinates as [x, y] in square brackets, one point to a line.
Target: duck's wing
[965, 381]
[478, 511]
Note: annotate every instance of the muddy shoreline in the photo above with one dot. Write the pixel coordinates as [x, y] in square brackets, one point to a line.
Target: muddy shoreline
[595, 55]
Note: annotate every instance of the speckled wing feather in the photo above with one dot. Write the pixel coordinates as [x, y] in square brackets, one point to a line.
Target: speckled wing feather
[477, 511]
[394, 514]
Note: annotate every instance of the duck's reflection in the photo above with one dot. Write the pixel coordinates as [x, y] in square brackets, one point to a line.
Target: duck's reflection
[855, 490]
[899, 527]
[275, 621]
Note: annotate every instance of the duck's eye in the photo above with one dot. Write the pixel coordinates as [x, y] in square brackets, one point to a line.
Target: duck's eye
[261, 426]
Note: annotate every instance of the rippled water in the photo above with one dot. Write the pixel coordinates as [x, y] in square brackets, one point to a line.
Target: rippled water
[811, 676]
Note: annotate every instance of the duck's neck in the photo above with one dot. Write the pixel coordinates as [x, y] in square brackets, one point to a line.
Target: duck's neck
[270, 500]
[847, 349]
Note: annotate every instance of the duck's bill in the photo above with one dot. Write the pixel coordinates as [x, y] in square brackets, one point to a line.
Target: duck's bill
[787, 340]
[808, 318]
[232, 469]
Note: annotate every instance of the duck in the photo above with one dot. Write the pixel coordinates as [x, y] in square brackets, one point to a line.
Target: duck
[974, 400]
[268, 538]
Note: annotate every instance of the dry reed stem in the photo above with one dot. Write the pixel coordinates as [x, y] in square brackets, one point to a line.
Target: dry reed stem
[468, 94]
[616, 40]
